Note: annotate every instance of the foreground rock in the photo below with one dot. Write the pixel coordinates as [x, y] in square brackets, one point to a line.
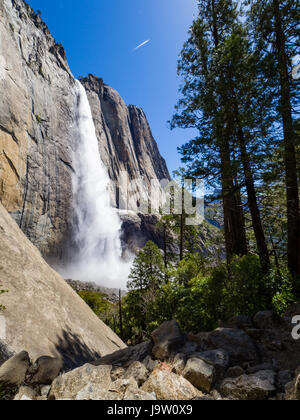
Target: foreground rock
[169, 386]
[95, 383]
[45, 370]
[259, 386]
[13, 375]
[125, 357]
[87, 382]
[43, 314]
[292, 389]
[167, 339]
[235, 342]
[137, 371]
[199, 373]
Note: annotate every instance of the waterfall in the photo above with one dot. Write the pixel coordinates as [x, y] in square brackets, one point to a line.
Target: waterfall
[97, 251]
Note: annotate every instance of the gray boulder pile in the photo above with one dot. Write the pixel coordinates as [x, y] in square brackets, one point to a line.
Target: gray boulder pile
[245, 360]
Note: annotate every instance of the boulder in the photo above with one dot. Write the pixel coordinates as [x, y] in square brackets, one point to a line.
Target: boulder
[5, 352]
[168, 386]
[125, 357]
[283, 378]
[134, 394]
[45, 370]
[83, 383]
[26, 394]
[150, 364]
[13, 371]
[13, 375]
[137, 371]
[259, 386]
[258, 368]
[235, 372]
[167, 339]
[292, 389]
[235, 342]
[218, 358]
[266, 320]
[179, 363]
[200, 373]
[43, 314]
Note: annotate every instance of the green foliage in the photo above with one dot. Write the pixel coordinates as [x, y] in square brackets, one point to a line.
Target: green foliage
[147, 270]
[199, 295]
[97, 302]
[145, 281]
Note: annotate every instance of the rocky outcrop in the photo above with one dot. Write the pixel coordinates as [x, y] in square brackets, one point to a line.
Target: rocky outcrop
[37, 133]
[131, 155]
[126, 142]
[43, 314]
[197, 372]
[36, 117]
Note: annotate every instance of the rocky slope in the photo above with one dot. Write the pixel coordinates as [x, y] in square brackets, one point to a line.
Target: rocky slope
[37, 135]
[249, 359]
[43, 314]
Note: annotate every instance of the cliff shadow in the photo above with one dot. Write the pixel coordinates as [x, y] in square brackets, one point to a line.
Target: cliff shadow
[73, 351]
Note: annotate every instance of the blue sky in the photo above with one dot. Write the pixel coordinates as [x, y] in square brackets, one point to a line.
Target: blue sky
[99, 36]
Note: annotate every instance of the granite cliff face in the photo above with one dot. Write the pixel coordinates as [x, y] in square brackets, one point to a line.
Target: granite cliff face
[125, 138]
[43, 314]
[36, 119]
[37, 132]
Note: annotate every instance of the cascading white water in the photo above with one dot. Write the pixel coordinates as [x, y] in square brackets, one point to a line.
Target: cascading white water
[98, 253]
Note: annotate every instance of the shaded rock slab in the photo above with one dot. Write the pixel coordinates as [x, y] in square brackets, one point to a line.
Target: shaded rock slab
[125, 357]
[43, 314]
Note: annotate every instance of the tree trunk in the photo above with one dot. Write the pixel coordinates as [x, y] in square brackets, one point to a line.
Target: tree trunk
[253, 206]
[121, 314]
[181, 246]
[234, 226]
[289, 145]
[235, 236]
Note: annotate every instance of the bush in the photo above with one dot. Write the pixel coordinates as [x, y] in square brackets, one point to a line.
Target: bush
[97, 302]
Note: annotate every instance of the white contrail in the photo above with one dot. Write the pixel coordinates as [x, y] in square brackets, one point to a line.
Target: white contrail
[141, 45]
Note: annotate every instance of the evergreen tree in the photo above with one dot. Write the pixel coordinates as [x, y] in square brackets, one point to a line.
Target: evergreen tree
[145, 281]
[275, 29]
[202, 107]
[224, 99]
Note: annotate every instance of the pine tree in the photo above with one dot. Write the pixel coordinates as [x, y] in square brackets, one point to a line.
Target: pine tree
[145, 281]
[249, 107]
[275, 29]
[202, 107]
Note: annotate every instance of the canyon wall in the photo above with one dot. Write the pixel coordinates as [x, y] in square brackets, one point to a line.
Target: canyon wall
[37, 133]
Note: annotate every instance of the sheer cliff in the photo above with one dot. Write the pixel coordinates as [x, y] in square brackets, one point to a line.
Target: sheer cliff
[37, 131]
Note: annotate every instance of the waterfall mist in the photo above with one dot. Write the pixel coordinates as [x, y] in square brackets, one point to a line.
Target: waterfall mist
[96, 252]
